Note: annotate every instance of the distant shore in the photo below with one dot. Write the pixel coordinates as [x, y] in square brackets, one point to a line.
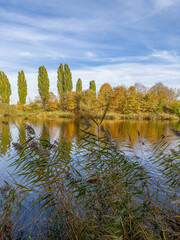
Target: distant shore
[109, 115]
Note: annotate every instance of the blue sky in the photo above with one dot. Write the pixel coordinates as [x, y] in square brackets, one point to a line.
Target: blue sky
[114, 41]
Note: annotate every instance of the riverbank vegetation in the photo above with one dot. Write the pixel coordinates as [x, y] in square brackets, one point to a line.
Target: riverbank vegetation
[96, 193]
[134, 102]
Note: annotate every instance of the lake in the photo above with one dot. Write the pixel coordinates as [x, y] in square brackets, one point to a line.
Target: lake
[136, 138]
[141, 135]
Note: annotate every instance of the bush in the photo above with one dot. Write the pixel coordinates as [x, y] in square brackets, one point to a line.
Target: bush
[176, 108]
[7, 109]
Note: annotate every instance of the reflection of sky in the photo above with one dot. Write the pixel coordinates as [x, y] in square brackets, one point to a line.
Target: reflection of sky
[109, 41]
[141, 146]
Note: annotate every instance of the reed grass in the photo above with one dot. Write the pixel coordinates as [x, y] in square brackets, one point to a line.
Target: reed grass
[96, 193]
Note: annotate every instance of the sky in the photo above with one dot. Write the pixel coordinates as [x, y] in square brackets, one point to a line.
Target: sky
[116, 41]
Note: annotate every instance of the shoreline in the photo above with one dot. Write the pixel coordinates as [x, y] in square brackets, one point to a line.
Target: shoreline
[109, 116]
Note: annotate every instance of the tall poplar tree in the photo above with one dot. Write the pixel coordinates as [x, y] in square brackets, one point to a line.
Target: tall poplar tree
[43, 85]
[64, 80]
[92, 85]
[60, 81]
[68, 86]
[79, 85]
[22, 87]
[5, 88]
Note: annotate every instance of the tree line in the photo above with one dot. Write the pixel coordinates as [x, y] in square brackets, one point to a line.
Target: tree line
[134, 99]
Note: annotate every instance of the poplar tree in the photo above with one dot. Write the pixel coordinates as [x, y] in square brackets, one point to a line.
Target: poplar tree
[68, 86]
[5, 88]
[60, 81]
[92, 85]
[43, 85]
[79, 85]
[64, 82]
[22, 87]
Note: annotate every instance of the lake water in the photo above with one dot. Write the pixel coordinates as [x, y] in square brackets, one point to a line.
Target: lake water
[136, 138]
[141, 135]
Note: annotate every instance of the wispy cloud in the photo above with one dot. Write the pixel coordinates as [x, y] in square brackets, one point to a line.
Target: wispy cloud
[117, 74]
[110, 41]
[166, 3]
[130, 73]
[167, 56]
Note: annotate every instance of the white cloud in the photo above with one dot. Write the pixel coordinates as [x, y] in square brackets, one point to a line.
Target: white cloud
[166, 3]
[90, 55]
[25, 54]
[166, 55]
[129, 73]
[126, 38]
[116, 74]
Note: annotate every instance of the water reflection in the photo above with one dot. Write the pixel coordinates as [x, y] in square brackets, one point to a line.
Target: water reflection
[22, 132]
[152, 131]
[5, 137]
[68, 130]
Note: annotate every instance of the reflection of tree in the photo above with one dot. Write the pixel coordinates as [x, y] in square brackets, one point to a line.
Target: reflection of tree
[67, 134]
[22, 133]
[175, 125]
[45, 134]
[150, 130]
[67, 130]
[5, 139]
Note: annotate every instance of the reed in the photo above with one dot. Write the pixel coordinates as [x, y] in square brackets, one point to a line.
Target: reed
[98, 193]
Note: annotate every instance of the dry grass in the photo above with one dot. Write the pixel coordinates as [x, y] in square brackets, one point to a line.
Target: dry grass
[98, 193]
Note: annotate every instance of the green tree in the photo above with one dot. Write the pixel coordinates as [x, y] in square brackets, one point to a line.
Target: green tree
[67, 83]
[64, 82]
[43, 85]
[79, 85]
[92, 85]
[22, 87]
[60, 81]
[5, 88]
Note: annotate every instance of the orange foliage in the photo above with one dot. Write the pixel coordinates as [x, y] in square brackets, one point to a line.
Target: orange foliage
[105, 94]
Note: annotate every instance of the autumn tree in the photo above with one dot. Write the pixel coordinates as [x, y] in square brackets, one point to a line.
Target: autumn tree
[105, 94]
[151, 102]
[140, 88]
[43, 85]
[22, 87]
[88, 101]
[166, 96]
[69, 102]
[92, 85]
[132, 100]
[5, 88]
[118, 98]
[52, 102]
[79, 85]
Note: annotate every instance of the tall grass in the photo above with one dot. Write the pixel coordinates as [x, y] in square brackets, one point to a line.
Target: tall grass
[95, 193]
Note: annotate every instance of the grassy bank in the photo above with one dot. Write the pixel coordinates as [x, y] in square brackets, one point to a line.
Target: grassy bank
[140, 116]
[11, 110]
[98, 193]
